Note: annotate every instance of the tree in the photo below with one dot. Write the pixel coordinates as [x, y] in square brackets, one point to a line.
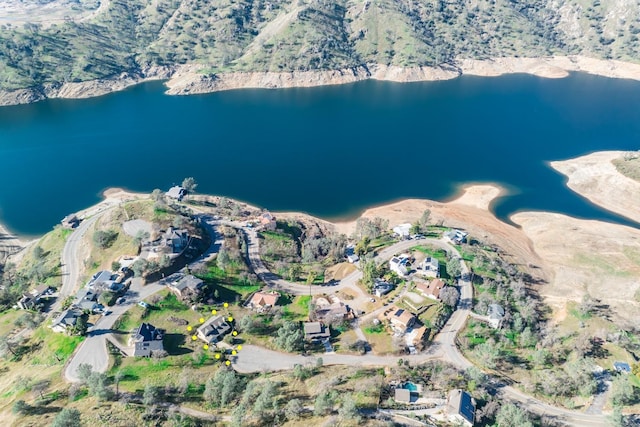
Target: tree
[139, 267]
[84, 372]
[21, 407]
[189, 184]
[509, 415]
[293, 409]
[104, 238]
[449, 296]
[266, 401]
[362, 247]
[98, 388]
[369, 272]
[453, 267]
[294, 272]
[157, 195]
[38, 253]
[67, 418]
[290, 337]
[7, 345]
[424, 220]
[324, 403]
[349, 410]
[119, 376]
[616, 419]
[151, 395]
[621, 390]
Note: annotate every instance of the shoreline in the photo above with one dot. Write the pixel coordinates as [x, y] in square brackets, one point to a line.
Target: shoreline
[191, 78]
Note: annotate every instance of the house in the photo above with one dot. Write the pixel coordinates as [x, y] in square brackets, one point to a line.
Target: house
[176, 192]
[398, 264]
[330, 312]
[66, 319]
[381, 288]
[430, 267]
[90, 306]
[101, 279]
[70, 221]
[213, 330]
[174, 241]
[461, 407]
[26, 302]
[146, 339]
[263, 301]
[623, 367]
[402, 395]
[495, 313]
[456, 237]
[400, 319]
[187, 287]
[431, 289]
[41, 291]
[353, 258]
[268, 221]
[402, 230]
[316, 331]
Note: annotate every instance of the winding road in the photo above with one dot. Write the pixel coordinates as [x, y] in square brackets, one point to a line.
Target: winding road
[257, 359]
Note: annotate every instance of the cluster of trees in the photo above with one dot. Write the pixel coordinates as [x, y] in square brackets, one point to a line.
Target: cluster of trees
[103, 239]
[370, 228]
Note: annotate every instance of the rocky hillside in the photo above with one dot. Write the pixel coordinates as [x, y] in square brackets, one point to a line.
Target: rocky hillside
[104, 40]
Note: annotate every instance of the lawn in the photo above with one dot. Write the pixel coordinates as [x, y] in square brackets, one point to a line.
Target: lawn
[298, 310]
[381, 343]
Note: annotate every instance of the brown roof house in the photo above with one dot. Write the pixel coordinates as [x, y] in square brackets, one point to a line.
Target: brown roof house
[330, 311]
[268, 221]
[213, 330]
[263, 301]
[400, 319]
[431, 289]
[146, 339]
[187, 287]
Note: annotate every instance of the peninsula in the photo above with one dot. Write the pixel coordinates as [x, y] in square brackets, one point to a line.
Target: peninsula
[177, 296]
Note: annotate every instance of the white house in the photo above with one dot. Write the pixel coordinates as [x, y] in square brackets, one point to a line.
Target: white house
[398, 264]
[495, 313]
[402, 230]
[431, 267]
[456, 236]
[176, 192]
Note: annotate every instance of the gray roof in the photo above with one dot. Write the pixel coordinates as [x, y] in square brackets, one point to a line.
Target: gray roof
[147, 332]
[101, 277]
[68, 317]
[463, 404]
[495, 311]
[214, 328]
[189, 281]
[176, 192]
[622, 367]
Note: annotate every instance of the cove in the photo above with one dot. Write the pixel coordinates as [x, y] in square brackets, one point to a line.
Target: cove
[329, 151]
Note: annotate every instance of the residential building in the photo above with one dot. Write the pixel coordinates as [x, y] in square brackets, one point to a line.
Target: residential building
[268, 221]
[263, 301]
[495, 313]
[623, 367]
[174, 241]
[213, 330]
[316, 331]
[188, 286]
[402, 230]
[102, 279]
[399, 265]
[66, 319]
[27, 302]
[381, 288]
[431, 289]
[330, 312]
[41, 291]
[456, 237]
[70, 221]
[176, 192]
[400, 319]
[461, 407]
[145, 339]
[431, 267]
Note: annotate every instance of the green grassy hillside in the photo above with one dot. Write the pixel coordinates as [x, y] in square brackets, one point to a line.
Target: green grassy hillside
[288, 35]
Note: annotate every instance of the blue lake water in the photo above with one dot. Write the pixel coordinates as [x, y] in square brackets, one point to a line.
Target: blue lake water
[329, 151]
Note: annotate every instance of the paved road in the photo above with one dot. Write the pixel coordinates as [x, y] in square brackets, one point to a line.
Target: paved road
[70, 261]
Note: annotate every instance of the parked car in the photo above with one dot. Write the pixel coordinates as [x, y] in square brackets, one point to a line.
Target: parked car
[120, 300]
[143, 304]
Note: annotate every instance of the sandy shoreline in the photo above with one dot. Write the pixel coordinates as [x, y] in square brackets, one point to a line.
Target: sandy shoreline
[595, 177]
[190, 79]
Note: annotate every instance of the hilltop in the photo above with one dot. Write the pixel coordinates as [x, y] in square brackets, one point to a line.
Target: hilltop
[54, 49]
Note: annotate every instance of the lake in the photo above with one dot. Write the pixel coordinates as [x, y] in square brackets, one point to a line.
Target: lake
[329, 151]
